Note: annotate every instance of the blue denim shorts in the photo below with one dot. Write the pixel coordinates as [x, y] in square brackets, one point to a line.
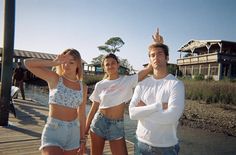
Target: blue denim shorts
[108, 129]
[63, 134]
[145, 149]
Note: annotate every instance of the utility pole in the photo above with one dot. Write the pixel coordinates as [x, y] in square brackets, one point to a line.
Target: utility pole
[7, 57]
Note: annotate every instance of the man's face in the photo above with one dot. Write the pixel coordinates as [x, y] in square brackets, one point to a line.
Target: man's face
[158, 58]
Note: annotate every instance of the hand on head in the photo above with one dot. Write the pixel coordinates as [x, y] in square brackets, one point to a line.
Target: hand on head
[157, 37]
[62, 58]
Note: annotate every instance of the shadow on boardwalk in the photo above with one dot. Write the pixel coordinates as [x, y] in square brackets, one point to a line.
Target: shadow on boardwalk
[22, 136]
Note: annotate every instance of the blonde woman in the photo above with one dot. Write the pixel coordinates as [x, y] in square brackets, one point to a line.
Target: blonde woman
[64, 132]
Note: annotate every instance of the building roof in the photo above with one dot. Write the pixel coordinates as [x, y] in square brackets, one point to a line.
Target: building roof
[193, 44]
[31, 54]
[99, 65]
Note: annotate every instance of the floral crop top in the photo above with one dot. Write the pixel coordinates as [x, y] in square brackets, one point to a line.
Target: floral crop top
[65, 96]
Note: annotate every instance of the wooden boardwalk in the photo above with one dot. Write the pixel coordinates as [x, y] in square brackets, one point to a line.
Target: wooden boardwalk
[22, 136]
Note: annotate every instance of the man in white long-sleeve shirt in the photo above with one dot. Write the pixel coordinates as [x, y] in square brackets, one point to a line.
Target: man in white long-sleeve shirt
[157, 104]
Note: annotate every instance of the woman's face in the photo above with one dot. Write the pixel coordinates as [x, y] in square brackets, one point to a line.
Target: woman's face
[71, 65]
[111, 66]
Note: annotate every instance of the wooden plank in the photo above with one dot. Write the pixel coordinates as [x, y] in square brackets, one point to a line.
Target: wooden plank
[22, 136]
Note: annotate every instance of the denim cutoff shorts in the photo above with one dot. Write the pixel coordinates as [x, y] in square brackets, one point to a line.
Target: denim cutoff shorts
[63, 134]
[107, 128]
[145, 149]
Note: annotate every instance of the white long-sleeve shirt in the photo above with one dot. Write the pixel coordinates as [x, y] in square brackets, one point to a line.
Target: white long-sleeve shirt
[158, 127]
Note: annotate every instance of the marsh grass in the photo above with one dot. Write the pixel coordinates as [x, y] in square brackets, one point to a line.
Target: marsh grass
[208, 92]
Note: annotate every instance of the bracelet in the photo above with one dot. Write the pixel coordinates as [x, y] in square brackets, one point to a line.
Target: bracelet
[83, 141]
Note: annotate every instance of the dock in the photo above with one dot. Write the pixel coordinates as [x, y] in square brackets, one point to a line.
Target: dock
[22, 135]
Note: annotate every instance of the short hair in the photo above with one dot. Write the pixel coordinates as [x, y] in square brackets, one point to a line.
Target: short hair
[159, 45]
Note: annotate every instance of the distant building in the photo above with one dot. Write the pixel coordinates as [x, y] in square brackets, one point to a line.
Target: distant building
[20, 55]
[96, 69]
[172, 68]
[211, 58]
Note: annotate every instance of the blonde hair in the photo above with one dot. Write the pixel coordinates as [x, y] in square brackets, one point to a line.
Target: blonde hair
[79, 69]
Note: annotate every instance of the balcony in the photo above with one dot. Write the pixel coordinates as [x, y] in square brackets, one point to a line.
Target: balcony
[206, 58]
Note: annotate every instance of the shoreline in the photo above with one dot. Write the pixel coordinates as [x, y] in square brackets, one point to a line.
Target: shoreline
[216, 118]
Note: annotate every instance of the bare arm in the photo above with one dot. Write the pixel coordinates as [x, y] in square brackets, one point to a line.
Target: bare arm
[144, 72]
[42, 68]
[82, 112]
[82, 117]
[91, 114]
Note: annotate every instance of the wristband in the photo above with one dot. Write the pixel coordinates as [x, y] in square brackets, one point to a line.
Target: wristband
[82, 141]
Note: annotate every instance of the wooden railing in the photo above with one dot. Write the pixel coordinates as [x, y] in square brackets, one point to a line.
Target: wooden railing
[206, 58]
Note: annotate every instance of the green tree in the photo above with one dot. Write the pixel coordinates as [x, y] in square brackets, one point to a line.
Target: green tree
[172, 68]
[112, 45]
[125, 63]
[98, 59]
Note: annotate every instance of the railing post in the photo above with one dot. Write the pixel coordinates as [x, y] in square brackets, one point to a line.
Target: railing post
[7, 55]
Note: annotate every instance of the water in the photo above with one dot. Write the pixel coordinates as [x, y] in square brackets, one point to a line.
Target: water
[192, 141]
[37, 93]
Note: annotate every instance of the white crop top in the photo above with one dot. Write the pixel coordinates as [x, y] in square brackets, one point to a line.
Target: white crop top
[111, 93]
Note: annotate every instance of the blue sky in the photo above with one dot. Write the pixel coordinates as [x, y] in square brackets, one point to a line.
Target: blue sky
[53, 25]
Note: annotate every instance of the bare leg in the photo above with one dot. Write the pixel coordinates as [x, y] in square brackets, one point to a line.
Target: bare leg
[21, 85]
[97, 144]
[71, 152]
[52, 150]
[118, 147]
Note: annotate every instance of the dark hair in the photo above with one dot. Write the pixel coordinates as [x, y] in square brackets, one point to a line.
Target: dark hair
[110, 55]
[159, 45]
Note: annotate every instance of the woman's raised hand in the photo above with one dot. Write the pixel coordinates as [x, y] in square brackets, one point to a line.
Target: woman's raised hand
[61, 59]
[157, 37]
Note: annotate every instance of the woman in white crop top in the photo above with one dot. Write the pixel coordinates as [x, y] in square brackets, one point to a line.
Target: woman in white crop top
[105, 119]
[64, 132]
